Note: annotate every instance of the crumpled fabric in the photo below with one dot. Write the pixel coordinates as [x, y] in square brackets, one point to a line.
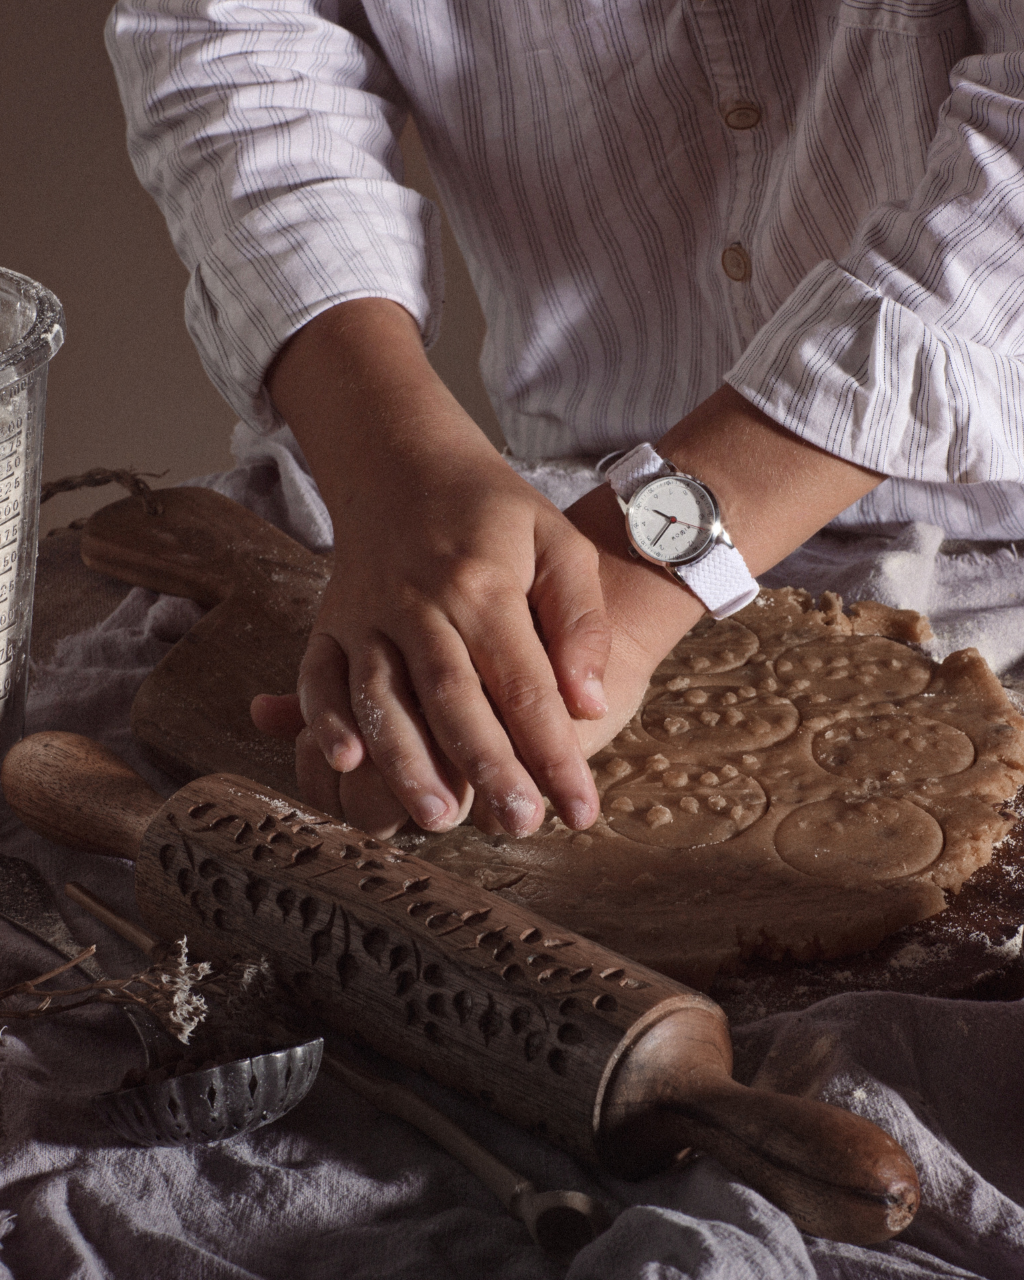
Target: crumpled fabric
[337, 1189]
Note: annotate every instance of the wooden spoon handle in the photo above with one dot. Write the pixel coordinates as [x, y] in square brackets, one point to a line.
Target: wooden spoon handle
[560, 1221]
[77, 793]
[148, 943]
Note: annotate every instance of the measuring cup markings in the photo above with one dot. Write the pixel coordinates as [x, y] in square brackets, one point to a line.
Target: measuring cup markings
[31, 332]
[14, 389]
[12, 616]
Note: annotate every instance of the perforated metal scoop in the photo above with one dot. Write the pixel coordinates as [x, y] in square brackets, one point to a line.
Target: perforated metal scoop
[198, 1106]
[218, 1103]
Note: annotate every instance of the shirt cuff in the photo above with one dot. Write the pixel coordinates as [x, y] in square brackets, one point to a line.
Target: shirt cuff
[865, 378]
[298, 255]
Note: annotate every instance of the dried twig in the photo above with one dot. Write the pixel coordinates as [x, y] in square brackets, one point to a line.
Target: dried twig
[131, 480]
[168, 990]
[29, 987]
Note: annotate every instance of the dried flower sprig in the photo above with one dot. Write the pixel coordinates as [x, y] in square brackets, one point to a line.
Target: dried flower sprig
[168, 990]
[178, 1006]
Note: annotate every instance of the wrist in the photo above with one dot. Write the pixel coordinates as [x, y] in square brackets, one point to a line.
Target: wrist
[361, 398]
[648, 611]
[673, 520]
[774, 489]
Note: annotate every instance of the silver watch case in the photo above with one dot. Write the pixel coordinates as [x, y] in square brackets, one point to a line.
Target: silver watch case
[716, 532]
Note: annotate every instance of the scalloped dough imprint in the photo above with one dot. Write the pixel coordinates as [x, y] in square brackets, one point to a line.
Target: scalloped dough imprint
[797, 781]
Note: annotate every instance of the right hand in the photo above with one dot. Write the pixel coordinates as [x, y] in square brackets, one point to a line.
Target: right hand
[427, 677]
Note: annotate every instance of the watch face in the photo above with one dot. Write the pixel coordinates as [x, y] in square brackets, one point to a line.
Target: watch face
[673, 519]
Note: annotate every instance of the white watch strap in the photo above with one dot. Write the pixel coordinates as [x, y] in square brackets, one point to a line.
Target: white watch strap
[721, 579]
[633, 469]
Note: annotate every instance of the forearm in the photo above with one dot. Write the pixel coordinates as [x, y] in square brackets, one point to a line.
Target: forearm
[355, 385]
[775, 491]
[266, 131]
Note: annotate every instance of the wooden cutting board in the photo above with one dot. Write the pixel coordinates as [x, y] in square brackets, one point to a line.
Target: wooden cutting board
[262, 589]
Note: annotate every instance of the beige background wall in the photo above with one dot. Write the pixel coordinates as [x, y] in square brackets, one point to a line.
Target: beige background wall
[128, 388]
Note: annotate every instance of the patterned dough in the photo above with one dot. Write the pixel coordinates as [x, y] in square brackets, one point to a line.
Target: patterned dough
[797, 781]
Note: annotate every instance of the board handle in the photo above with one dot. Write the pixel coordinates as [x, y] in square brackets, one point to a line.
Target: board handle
[76, 792]
[201, 545]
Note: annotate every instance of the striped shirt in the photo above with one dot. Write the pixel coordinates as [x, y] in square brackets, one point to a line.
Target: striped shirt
[820, 202]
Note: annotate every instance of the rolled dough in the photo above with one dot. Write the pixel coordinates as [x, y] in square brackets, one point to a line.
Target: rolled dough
[798, 781]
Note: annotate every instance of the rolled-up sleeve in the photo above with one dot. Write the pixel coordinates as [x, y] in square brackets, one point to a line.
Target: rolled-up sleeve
[907, 355]
[267, 134]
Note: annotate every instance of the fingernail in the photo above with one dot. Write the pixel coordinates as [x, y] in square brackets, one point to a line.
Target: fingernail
[579, 814]
[594, 690]
[336, 753]
[430, 809]
[516, 812]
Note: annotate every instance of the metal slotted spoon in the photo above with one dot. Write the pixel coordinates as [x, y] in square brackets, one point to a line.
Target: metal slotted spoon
[197, 1106]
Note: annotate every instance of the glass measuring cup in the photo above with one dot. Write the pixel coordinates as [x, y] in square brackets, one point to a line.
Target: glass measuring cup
[31, 332]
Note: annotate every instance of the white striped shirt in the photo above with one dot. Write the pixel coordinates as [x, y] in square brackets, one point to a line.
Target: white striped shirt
[818, 201]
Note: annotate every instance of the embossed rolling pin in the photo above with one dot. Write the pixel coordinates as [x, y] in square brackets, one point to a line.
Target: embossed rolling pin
[560, 1221]
[614, 1062]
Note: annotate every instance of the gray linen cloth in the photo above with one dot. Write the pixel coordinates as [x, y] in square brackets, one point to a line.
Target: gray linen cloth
[337, 1189]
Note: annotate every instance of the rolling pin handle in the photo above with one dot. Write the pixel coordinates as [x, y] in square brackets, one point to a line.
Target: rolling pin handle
[836, 1174]
[75, 792]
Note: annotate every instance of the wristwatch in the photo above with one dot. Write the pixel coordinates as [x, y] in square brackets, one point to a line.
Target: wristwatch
[672, 519]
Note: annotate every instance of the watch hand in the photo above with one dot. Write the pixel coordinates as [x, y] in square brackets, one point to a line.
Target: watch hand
[676, 520]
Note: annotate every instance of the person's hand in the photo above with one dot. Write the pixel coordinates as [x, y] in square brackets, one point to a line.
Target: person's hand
[463, 626]
[426, 677]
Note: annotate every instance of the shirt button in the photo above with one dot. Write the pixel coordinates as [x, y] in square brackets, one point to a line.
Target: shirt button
[742, 115]
[736, 263]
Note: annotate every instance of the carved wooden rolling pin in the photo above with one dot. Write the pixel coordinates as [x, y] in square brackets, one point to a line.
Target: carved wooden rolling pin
[610, 1060]
[560, 1221]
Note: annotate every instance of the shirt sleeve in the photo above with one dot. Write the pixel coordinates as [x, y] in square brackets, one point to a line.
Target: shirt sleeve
[907, 356]
[268, 135]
